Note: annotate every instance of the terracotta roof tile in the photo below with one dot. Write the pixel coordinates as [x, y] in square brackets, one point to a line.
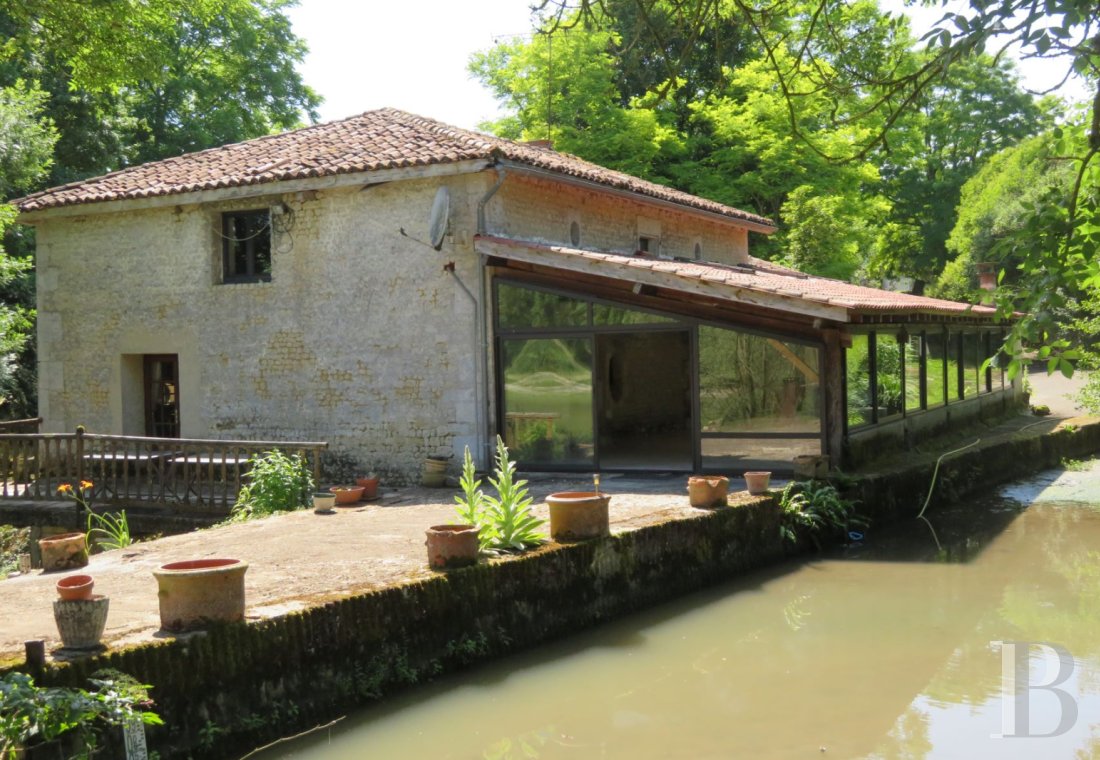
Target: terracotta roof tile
[762, 276]
[382, 139]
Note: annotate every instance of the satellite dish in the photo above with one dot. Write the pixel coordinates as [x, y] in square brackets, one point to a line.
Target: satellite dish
[440, 218]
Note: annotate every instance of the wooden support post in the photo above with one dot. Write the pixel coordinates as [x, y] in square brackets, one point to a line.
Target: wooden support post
[834, 397]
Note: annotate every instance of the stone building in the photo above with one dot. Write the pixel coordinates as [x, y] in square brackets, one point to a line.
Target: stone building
[402, 288]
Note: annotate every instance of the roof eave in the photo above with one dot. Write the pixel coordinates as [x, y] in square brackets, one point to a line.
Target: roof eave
[255, 190]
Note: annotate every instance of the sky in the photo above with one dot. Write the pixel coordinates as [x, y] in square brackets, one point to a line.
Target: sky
[413, 54]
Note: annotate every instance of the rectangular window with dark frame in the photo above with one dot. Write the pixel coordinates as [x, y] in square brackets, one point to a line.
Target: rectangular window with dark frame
[246, 246]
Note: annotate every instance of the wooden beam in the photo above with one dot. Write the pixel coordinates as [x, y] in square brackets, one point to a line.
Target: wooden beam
[807, 371]
[835, 401]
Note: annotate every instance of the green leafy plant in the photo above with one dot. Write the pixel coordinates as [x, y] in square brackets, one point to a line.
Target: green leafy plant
[277, 483]
[108, 530]
[470, 506]
[13, 542]
[815, 506]
[505, 521]
[31, 715]
[1075, 465]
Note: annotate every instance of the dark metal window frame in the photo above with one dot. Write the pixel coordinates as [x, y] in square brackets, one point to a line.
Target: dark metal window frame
[951, 337]
[681, 323]
[230, 241]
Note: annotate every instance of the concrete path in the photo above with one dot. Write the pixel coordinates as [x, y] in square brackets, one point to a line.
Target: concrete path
[1056, 391]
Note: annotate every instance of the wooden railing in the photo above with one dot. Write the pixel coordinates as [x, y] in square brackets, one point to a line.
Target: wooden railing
[31, 425]
[177, 473]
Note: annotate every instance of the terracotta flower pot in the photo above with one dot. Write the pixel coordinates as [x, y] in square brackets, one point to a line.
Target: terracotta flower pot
[370, 487]
[757, 482]
[196, 592]
[73, 587]
[65, 551]
[451, 546]
[347, 494]
[80, 622]
[708, 490]
[578, 515]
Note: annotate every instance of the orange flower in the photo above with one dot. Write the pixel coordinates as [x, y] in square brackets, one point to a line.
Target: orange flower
[65, 488]
[86, 484]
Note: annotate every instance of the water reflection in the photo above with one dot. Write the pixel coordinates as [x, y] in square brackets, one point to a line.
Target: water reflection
[880, 650]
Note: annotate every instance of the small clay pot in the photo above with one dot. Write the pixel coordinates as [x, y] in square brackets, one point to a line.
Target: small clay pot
[347, 494]
[706, 491]
[369, 485]
[194, 593]
[65, 551]
[578, 515]
[757, 482]
[451, 546]
[73, 587]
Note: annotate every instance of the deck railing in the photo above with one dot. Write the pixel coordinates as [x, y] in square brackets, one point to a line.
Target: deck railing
[30, 425]
[191, 474]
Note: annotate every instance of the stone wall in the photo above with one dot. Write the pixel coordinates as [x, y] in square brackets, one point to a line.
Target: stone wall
[361, 338]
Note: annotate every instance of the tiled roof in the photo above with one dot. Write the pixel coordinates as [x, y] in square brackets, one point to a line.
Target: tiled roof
[382, 139]
[757, 276]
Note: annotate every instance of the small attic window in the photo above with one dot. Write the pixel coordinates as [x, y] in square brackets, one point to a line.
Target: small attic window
[575, 233]
[698, 250]
[646, 244]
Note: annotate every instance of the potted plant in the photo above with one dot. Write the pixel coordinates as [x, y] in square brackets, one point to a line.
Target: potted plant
[370, 486]
[193, 593]
[579, 515]
[708, 490]
[757, 482]
[346, 495]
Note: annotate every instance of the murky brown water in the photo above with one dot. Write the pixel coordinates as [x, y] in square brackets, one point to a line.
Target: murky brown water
[880, 651]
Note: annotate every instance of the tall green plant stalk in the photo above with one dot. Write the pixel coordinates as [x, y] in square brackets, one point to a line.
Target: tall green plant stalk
[470, 506]
[514, 527]
[504, 522]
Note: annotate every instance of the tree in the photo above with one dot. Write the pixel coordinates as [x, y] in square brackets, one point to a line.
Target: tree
[976, 111]
[26, 142]
[128, 81]
[828, 61]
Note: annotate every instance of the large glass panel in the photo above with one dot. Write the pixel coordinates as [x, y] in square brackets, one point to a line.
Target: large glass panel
[604, 315]
[750, 384]
[934, 367]
[972, 360]
[954, 341]
[912, 372]
[548, 400]
[859, 381]
[888, 375]
[523, 308]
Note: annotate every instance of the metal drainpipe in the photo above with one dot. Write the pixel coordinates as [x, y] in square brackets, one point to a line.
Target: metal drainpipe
[481, 336]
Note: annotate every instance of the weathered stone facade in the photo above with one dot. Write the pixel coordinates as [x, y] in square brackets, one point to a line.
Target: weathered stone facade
[362, 338]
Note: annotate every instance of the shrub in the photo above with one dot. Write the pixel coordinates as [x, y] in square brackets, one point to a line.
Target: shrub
[505, 521]
[816, 506]
[276, 483]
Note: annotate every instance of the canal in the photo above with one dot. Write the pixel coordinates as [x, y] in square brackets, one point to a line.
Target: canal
[886, 648]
